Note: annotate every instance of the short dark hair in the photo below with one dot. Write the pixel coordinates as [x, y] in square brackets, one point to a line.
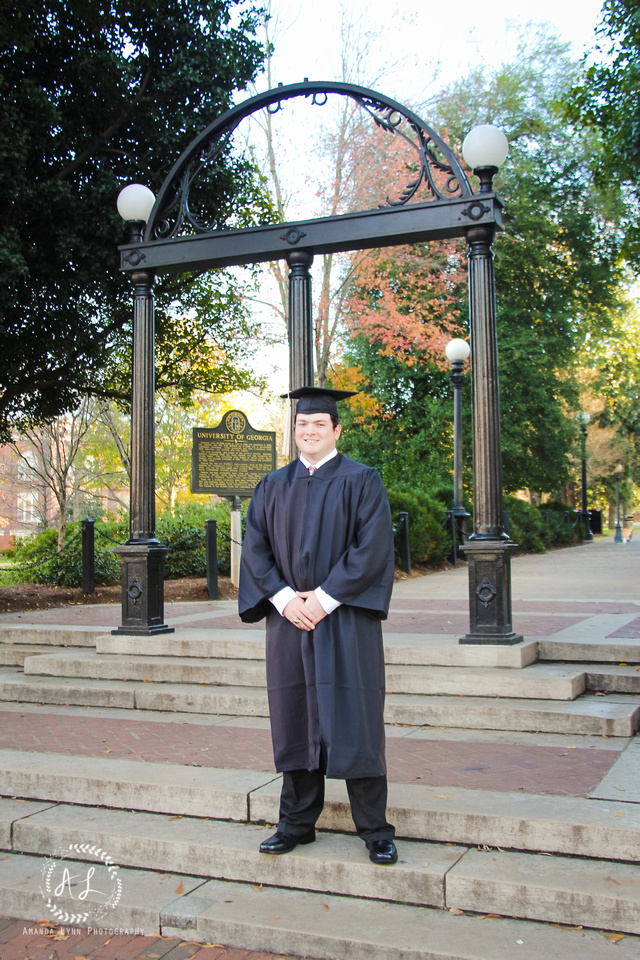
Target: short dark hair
[335, 420]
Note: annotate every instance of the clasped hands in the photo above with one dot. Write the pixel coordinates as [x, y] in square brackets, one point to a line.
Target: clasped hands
[304, 610]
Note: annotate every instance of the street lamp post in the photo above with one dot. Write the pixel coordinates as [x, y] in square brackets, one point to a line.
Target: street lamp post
[457, 351]
[142, 555]
[583, 419]
[618, 475]
[488, 548]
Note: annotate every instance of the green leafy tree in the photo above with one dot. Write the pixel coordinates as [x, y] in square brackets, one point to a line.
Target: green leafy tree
[559, 282]
[559, 277]
[604, 102]
[95, 94]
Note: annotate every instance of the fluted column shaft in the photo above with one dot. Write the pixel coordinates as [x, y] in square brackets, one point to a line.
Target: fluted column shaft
[487, 549]
[457, 378]
[300, 320]
[300, 329]
[142, 557]
[487, 453]
[143, 510]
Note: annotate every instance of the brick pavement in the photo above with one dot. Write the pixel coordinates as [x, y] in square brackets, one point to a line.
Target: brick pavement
[55, 943]
[559, 770]
[533, 618]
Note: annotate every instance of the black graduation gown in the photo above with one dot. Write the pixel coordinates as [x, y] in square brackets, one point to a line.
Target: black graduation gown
[326, 686]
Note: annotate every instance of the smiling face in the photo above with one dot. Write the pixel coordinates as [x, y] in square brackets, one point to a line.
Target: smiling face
[316, 435]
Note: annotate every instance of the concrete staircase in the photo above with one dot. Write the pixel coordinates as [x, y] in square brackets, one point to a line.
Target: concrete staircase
[185, 839]
[221, 671]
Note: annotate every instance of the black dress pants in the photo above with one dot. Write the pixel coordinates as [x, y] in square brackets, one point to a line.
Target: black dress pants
[302, 799]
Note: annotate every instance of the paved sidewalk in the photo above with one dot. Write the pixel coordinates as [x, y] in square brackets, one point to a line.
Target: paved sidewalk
[28, 940]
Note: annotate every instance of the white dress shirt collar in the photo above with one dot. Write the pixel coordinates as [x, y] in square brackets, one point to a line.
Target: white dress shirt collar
[329, 456]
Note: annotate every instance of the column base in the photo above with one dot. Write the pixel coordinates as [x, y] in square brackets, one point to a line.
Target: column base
[490, 615]
[142, 589]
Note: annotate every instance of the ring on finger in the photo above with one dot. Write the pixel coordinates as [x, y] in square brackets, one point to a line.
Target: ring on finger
[296, 620]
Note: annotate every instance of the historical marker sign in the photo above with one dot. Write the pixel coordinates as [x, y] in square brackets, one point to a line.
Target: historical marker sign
[231, 458]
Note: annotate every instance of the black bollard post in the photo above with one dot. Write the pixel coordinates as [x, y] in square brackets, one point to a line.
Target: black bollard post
[405, 550]
[88, 556]
[211, 539]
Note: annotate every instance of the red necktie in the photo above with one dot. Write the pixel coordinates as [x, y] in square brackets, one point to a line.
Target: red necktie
[312, 470]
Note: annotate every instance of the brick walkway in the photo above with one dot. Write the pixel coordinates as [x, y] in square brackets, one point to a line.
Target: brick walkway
[53, 944]
[559, 770]
[533, 618]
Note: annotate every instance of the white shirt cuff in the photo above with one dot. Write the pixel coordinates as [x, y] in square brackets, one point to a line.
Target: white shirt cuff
[327, 602]
[282, 598]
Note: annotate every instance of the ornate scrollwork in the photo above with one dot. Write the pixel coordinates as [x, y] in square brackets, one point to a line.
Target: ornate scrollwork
[486, 592]
[436, 166]
[391, 119]
[134, 590]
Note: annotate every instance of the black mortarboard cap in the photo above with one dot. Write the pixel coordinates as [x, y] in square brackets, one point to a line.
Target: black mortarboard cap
[318, 399]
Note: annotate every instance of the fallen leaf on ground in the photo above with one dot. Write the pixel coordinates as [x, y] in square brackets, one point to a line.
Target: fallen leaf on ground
[179, 888]
[614, 937]
[443, 796]
[487, 915]
[456, 911]
[175, 818]
[257, 886]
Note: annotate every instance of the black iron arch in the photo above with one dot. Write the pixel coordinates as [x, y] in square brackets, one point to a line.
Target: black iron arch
[175, 238]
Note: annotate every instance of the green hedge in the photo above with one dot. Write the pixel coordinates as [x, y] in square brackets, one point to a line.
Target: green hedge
[428, 540]
[38, 553]
[536, 528]
[532, 528]
[183, 533]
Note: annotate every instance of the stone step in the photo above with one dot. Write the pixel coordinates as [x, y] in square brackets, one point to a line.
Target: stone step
[555, 824]
[598, 650]
[14, 654]
[50, 635]
[614, 679]
[588, 715]
[245, 644]
[183, 670]
[556, 889]
[249, 644]
[280, 921]
[229, 851]
[185, 698]
[553, 889]
[132, 784]
[538, 681]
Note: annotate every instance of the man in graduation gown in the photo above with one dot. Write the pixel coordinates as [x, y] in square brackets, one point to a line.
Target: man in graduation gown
[318, 562]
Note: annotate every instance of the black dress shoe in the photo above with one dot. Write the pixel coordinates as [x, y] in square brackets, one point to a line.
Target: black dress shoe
[285, 842]
[383, 851]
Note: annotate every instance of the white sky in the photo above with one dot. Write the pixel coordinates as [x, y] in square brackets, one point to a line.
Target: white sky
[421, 38]
[414, 50]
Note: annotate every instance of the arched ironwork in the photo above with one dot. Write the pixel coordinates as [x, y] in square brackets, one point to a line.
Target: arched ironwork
[176, 239]
[438, 168]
